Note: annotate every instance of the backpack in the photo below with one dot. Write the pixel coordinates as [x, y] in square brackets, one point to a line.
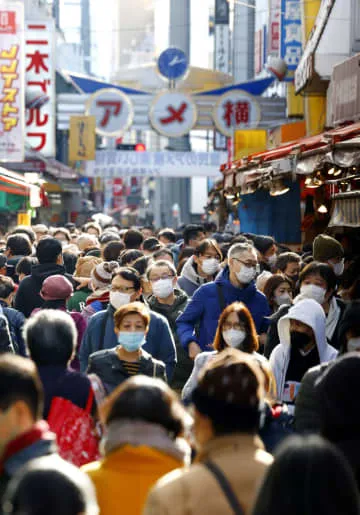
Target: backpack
[6, 340]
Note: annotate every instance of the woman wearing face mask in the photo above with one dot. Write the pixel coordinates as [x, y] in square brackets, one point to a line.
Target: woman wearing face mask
[278, 291]
[317, 281]
[236, 329]
[113, 366]
[201, 268]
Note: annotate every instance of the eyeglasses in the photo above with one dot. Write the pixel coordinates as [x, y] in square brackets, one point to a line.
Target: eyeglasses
[162, 278]
[246, 263]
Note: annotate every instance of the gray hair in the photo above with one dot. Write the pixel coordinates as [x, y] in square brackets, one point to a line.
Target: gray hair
[50, 336]
[158, 264]
[239, 248]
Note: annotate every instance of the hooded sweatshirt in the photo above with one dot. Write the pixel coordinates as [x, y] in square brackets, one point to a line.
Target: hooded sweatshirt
[190, 280]
[312, 314]
[28, 295]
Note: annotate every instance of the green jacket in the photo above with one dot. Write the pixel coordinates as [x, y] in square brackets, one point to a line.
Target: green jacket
[78, 301]
[184, 364]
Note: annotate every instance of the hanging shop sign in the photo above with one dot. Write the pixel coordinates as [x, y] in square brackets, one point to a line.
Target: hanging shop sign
[291, 35]
[173, 114]
[116, 163]
[236, 110]
[113, 111]
[11, 81]
[40, 86]
[274, 27]
[82, 139]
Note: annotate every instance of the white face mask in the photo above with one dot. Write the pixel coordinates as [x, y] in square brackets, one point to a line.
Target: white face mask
[312, 291]
[246, 274]
[353, 345]
[234, 337]
[338, 267]
[283, 300]
[272, 259]
[162, 288]
[210, 266]
[118, 299]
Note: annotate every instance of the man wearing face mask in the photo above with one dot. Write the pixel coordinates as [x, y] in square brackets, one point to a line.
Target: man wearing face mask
[328, 250]
[170, 302]
[302, 345]
[100, 332]
[267, 250]
[196, 327]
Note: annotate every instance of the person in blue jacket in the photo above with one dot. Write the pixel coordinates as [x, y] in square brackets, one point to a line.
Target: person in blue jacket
[100, 334]
[196, 326]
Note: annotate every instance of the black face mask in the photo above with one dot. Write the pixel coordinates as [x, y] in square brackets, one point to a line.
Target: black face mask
[293, 278]
[299, 340]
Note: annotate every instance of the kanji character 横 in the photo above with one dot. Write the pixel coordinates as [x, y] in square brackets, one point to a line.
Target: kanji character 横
[37, 61]
[35, 117]
[176, 115]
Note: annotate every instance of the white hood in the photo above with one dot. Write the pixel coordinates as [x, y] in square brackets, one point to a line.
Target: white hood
[310, 313]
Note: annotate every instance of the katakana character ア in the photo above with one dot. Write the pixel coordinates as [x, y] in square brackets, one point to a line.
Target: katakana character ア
[175, 115]
[112, 108]
[37, 61]
[42, 136]
[9, 123]
[242, 114]
[35, 118]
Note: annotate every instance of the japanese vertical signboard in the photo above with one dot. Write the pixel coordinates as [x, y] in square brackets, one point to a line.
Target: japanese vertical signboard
[11, 81]
[82, 138]
[221, 52]
[40, 86]
[291, 38]
[274, 27]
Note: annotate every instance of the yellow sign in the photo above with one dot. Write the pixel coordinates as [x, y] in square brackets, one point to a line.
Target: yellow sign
[82, 138]
[24, 218]
[249, 141]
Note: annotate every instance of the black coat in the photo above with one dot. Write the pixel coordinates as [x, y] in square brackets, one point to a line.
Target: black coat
[108, 367]
[16, 321]
[28, 294]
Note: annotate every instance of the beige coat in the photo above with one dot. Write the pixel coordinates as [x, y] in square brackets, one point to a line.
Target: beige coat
[195, 491]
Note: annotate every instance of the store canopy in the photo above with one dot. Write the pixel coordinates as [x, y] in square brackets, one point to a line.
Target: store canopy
[13, 183]
[301, 148]
[346, 212]
[145, 79]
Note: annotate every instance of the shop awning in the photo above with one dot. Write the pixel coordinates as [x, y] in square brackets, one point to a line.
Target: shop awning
[300, 148]
[346, 212]
[13, 183]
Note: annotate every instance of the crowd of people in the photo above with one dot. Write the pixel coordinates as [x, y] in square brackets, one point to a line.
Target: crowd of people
[162, 372]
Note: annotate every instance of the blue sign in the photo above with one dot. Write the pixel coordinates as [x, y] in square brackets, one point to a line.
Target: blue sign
[291, 34]
[173, 63]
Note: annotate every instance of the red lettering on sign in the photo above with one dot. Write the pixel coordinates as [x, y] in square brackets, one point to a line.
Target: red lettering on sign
[37, 61]
[112, 108]
[240, 112]
[42, 137]
[35, 116]
[175, 115]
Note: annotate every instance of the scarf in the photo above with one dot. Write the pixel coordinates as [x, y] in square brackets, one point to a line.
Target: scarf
[40, 431]
[99, 295]
[138, 432]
